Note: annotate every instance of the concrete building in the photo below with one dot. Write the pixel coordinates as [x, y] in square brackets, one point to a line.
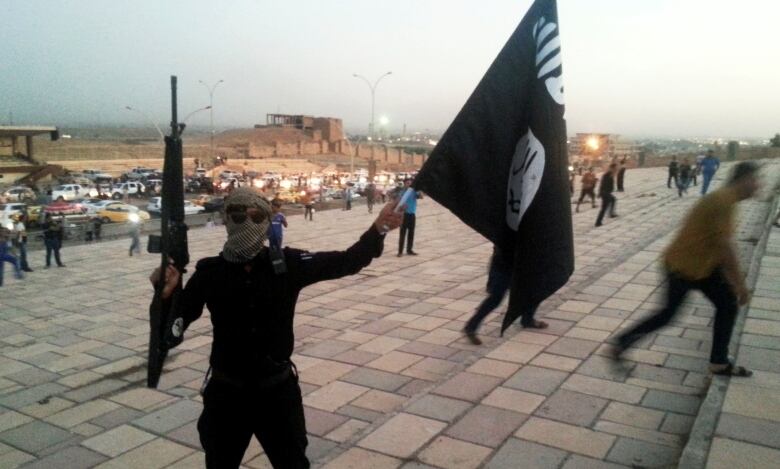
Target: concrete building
[593, 148]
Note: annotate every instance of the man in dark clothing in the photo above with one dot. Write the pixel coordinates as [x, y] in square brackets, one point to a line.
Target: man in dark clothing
[684, 177]
[606, 188]
[52, 238]
[588, 188]
[672, 173]
[370, 193]
[621, 175]
[499, 280]
[254, 388]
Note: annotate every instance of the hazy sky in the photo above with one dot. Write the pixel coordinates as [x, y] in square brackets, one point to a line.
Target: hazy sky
[636, 67]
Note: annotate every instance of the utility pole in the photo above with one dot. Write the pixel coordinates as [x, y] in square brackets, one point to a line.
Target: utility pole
[211, 116]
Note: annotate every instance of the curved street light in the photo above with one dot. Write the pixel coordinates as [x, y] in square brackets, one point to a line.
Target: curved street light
[373, 97]
[211, 107]
[184, 121]
[146, 116]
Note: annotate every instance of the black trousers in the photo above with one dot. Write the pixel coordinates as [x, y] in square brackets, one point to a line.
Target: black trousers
[587, 192]
[407, 230]
[717, 289]
[231, 415]
[672, 177]
[52, 246]
[608, 202]
[308, 212]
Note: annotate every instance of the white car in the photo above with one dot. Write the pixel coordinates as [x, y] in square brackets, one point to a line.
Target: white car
[227, 174]
[9, 210]
[95, 205]
[72, 192]
[155, 206]
[19, 193]
[139, 172]
[96, 175]
[132, 188]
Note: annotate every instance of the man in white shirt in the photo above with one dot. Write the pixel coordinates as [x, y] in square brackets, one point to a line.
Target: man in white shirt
[20, 241]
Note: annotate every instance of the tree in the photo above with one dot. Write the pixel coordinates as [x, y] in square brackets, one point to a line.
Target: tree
[775, 141]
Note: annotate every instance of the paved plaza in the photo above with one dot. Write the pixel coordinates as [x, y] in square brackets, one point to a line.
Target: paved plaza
[388, 379]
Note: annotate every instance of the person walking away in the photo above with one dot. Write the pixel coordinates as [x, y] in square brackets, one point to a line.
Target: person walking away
[20, 241]
[308, 206]
[697, 169]
[588, 188]
[709, 166]
[135, 236]
[410, 219]
[253, 387]
[52, 238]
[6, 256]
[370, 194]
[277, 226]
[621, 175]
[672, 173]
[684, 178]
[608, 200]
[702, 257]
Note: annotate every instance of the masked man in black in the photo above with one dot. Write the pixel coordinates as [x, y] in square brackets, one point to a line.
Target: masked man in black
[251, 291]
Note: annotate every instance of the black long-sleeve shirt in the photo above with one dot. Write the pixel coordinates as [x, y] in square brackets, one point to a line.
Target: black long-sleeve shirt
[252, 312]
[607, 185]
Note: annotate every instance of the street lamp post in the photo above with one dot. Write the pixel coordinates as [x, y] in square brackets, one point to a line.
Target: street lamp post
[211, 107]
[373, 96]
[184, 121]
[146, 116]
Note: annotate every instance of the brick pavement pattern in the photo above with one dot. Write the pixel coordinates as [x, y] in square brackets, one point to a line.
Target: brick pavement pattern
[388, 379]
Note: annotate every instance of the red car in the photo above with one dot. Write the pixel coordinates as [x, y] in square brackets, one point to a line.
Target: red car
[61, 207]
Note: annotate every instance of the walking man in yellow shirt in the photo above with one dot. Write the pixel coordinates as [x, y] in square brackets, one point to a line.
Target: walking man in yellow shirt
[702, 257]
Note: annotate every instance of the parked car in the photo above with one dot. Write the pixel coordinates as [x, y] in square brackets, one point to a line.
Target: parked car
[96, 175]
[72, 192]
[93, 206]
[119, 213]
[155, 206]
[227, 174]
[214, 205]
[139, 172]
[63, 207]
[132, 188]
[19, 193]
[226, 183]
[11, 209]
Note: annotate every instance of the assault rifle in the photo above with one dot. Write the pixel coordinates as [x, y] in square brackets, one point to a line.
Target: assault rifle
[165, 316]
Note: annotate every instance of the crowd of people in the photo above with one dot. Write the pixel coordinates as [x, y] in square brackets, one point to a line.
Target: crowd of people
[252, 386]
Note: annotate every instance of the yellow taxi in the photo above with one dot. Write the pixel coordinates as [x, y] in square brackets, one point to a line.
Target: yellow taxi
[122, 213]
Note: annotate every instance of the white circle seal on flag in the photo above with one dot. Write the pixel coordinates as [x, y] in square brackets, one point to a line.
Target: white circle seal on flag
[525, 177]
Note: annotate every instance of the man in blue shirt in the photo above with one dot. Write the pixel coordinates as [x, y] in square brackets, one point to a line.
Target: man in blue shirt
[709, 165]
[407, 227]
[278, 223]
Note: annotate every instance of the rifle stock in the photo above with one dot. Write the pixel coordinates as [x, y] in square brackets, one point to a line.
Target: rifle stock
[165, 315]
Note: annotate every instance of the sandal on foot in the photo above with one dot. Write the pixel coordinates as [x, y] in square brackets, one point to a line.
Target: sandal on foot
[732, 370]
[536, 325]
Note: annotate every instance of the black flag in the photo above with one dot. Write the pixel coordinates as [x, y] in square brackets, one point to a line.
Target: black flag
[502, 165]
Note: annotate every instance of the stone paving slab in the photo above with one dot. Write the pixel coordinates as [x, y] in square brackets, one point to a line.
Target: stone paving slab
[386, 375]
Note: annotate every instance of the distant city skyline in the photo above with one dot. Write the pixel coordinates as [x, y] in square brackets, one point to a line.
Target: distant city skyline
[641, 69]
